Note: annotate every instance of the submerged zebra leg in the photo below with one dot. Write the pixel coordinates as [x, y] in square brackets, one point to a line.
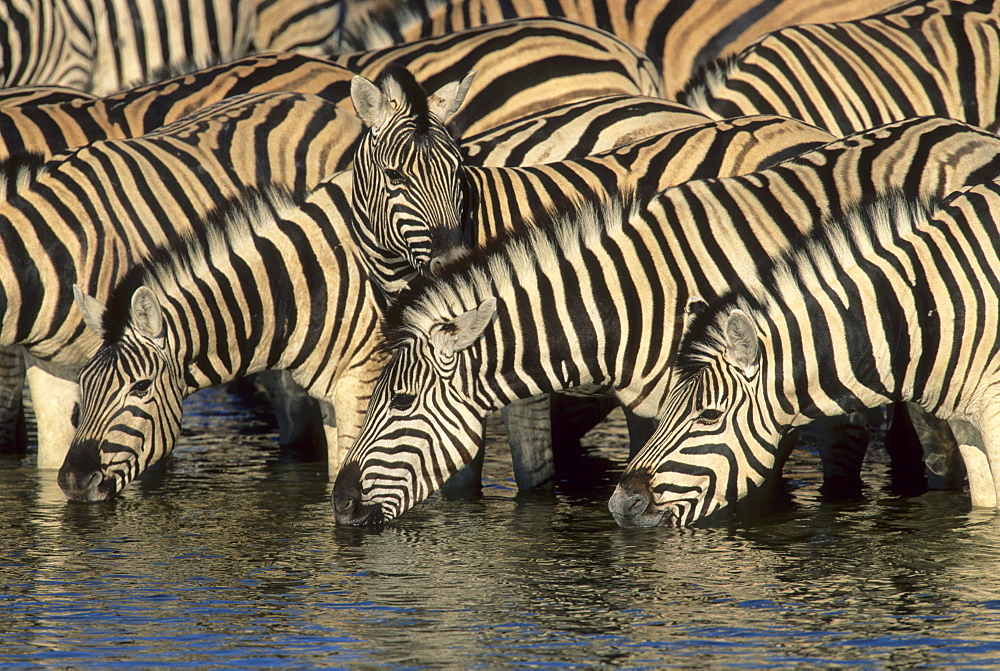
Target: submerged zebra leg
[842, 443]
[13, 432]
[529, 433]
[941, 456]
[56, 402]
[299, 417]
[975, 455]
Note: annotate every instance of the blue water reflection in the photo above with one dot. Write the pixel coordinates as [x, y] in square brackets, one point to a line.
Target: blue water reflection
[228, 556]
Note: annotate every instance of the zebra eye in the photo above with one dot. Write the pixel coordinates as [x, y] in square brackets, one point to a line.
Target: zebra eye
[402, 401]
[709, 416]
[395, 177]
[141, 387]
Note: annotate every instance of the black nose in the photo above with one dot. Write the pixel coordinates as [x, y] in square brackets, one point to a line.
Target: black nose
[347, 506]
[81, 477]
[632, 500]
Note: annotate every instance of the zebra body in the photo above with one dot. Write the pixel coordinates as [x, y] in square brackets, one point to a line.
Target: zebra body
[85, 217]
[679, 37]
[896, 301]
[922, 58]
[604, 300]
[280, 286]
[524, 66]
[104, 47]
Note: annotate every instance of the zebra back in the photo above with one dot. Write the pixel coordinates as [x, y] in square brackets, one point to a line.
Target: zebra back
[922, 58]
[603, 297]
[678, 37]
[86, 217]
[894, 301]
[522, 66]
[45, 120]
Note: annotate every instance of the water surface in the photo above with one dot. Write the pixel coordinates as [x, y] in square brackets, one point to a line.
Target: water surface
[228, 556]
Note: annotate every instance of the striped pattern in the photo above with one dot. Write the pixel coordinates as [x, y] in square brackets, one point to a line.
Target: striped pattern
[524, 66]
[104, 47]
[578, 306]
[678, 36]
[926, 57]
[891, 302]
[265, 282]
[86, 217]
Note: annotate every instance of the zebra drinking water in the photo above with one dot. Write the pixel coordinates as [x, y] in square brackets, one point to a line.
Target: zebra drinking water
[896, 300]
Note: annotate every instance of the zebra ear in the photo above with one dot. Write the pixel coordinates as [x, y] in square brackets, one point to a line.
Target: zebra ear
[465, 329]
[93, 310]
[742, 348]
[146, 316]
[369, 102]
[446, 100]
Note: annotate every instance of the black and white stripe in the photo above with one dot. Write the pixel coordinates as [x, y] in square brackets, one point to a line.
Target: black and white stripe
[897, 300]
[604, 299]
[922, 58]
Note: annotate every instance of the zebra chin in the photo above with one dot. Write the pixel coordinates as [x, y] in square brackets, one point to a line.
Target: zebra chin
[81, 477]
[348, 509]
[633, 505]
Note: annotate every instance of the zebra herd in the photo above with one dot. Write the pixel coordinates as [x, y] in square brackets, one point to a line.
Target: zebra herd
[729, 221]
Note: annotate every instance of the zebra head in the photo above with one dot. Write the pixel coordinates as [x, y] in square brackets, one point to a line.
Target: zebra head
[130, 408]
[424, 422]
[716, 437]
[407, 192]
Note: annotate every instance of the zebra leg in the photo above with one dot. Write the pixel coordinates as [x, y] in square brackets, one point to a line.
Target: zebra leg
[841, 443]
[941, 455]
[13, 429]
[56, 403]
[529, 434]
[976, 456]
[301, 423]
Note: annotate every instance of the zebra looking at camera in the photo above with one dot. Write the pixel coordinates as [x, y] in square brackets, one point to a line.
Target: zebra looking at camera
[503, 325]
[897, 300]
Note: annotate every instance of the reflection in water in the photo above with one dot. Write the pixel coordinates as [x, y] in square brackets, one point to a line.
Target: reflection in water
[228, 555]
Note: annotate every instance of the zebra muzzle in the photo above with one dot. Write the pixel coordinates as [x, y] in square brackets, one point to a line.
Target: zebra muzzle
[348, 509]
[632, 502]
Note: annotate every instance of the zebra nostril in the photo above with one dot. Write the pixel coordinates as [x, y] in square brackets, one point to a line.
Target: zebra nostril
[632, 497]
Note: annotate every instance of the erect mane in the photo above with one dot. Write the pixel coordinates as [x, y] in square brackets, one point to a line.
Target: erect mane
[507, 262]
[399, 82]
[228, 225]
[703, 82]
[817, 260]
[18, 171]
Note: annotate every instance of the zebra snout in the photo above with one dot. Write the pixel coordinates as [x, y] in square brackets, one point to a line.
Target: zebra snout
[348, 509]
[81, 477]
[632, 502]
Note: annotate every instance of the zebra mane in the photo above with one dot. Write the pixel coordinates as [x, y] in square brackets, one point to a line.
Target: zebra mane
[18, 171]
[399, 83]
[188, 65]
[365, 25]
[502, 266]
[185, 260]
[705, 80]
[809, 268]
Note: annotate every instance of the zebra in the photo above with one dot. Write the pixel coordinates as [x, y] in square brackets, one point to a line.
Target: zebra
[897, 299]
[921, 58]
[679, 38]
[86, 215]
[332, 198]
[412, 191]
[104, 47]
[265, 281]
[524, 66]
[502, 324]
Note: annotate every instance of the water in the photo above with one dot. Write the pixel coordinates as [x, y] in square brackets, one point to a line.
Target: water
[228, 556]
